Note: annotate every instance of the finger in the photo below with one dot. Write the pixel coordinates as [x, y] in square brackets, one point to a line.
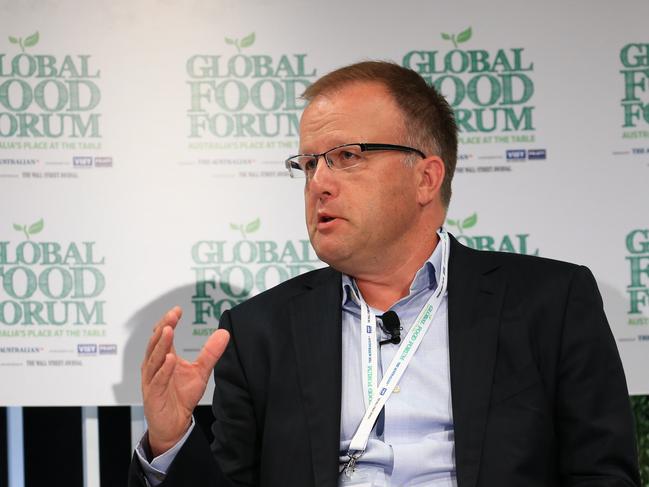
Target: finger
[153, 341]
[211, 352]
[171, 318]
[160, 380]
[158, 354]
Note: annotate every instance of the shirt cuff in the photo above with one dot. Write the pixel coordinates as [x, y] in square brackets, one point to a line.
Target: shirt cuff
[156, 470]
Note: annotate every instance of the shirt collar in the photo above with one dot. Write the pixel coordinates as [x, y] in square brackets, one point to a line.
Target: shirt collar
[425, 278]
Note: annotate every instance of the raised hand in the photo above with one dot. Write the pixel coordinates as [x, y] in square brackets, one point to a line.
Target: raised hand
[172, 386]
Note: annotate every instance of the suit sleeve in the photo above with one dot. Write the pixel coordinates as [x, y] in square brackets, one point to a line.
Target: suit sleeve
[593, 415]
[231, 460]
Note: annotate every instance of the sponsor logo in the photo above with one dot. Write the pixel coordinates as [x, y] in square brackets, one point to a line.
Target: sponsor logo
[637, 245]
[523, 154]
[514, 243]
[491, 91]
[107, 349]
[536, 154]
[18, 162]
[47, 97]
[21, 349]
[53, 283]
[87, 349]
[227, 272]
[82, 161]
[516, 155]
[103, 162]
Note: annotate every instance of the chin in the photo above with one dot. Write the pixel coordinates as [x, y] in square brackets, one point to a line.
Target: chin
[336, 259]
[328, 254]
[325, 257]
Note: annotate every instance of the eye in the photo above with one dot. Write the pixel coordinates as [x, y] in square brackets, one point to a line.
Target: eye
[345, 157]
[348, 156]
[310, 164]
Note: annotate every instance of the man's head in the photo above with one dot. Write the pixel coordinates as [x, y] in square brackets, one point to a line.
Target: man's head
[369, 211]
[429, 121]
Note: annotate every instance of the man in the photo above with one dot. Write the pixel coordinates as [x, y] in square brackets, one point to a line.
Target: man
[512, 377]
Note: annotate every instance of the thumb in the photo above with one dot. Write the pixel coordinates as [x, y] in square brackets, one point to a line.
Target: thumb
[211, 352]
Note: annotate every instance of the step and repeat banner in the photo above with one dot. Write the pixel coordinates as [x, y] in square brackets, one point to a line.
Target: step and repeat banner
[142, 147]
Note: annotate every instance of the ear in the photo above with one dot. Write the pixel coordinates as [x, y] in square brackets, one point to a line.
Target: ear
[430, 172]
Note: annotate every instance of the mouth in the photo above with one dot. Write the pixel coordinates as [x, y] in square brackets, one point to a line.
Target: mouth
[326, 221]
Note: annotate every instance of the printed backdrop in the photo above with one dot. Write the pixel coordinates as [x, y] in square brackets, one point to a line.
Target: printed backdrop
[141, 149]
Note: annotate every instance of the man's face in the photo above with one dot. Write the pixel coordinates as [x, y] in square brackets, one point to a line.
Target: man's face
[358, 217]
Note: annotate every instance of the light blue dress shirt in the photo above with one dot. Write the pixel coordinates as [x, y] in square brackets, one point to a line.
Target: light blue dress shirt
[413, 440]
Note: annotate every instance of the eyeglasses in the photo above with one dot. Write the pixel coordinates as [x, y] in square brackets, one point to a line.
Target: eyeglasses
[339, 158]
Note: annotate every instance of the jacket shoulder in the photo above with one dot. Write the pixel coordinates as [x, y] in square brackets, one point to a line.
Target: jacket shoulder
[518, 263]
[284, 291]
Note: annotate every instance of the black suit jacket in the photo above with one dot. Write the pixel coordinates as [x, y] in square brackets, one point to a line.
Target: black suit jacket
[538, 391]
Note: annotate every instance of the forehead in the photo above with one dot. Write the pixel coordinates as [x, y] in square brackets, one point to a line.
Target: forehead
[357, 112]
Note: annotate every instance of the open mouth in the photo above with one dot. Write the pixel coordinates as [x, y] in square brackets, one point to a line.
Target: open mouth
[326, 219]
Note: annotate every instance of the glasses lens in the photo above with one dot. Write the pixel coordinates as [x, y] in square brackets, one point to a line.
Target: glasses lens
[300, 166]
[345, 157]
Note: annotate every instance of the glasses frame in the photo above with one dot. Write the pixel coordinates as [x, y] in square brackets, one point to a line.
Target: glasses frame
[365, 147]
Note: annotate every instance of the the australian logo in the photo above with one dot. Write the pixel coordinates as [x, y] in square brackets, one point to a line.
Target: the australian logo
[227, 272]
[635, 72]
[45, 283]
[246, 95]
[43, 96]
[637, 246]
[516, 243]
[491, 91]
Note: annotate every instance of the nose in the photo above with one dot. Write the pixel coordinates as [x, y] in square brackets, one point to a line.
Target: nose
[323, 181]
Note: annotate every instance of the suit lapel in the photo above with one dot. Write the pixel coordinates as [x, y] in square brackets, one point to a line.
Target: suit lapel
[316, 323]
[475, 295]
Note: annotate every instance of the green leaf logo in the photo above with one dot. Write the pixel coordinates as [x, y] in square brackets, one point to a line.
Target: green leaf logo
[460, 38]
[464, 36]
[247, 228]
[462, 225]
[30, 230]
[36, 227]
[246, 41]
[253, 226]
[470, 221]
[30, 41]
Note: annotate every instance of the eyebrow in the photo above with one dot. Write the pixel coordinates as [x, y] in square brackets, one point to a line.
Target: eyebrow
[333, 144]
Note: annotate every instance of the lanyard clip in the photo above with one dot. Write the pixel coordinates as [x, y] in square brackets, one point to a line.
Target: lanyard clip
[350, 466]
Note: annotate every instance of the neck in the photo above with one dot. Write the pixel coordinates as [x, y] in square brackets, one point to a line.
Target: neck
[382, 290]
